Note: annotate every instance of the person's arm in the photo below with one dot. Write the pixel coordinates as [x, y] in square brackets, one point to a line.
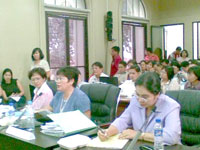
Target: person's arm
[49, 108]
[19, 85]
[88, 113]
[3, 94]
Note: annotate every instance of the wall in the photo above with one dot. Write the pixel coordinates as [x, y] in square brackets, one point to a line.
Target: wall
[179, 11]
[19, 34]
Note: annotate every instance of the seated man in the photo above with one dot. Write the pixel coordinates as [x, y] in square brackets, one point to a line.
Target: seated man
[121, 74]
[148, 97]
[97, 68]
[128, 87]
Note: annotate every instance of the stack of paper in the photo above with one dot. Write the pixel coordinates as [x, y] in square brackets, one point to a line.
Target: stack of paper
[72, 122]
[112, 143]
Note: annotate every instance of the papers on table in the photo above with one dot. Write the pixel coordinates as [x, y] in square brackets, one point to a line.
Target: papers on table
[112, 143]
[72, 122]
[74, 141]
[16, 98]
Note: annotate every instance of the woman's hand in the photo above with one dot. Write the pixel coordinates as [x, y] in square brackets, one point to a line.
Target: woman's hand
[128, 134]
[102, 136]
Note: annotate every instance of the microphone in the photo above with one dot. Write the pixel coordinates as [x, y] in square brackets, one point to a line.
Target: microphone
[139, 132]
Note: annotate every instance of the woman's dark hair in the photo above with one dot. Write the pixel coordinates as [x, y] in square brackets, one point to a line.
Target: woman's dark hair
[4, 72]
[98, 64]
[34, 51]
[123, 63]
[175, 63]
[149, 49]
[39, 71]
[185, 64]
[136, 67]
[70, 73]
[151, 81]
[170, 72]
[195, 70]
[178, 48]
[185, 52]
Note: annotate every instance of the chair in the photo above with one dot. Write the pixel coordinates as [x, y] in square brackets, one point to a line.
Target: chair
[103, 101]
[52, 85]
[109, 80]
[190, 114]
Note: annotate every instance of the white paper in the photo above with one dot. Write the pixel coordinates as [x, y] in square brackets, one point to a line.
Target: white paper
[16, 98]
[112, 143]
[20, 133]
[74, 141]
[72, 121]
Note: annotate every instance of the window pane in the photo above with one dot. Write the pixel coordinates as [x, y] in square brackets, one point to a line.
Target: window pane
[53, 73]
[142, 13]
[195, 40]
[51, 2]
[57, 42]
[60, 2]
[124, 7]
[82, 70]
[71, 3]
[139, 43]
[198, 39]
[136, 8]
[127, 42]
[81, 4]
[76, 33]
[130, 8]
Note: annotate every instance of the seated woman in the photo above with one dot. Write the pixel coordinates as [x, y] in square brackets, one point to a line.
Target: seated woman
[97, 68]
[42, 92]
[183, 56]
[12, 89]
[148, 97]
[193, 78]
[68, 97]
[168, 82]
[128, 87]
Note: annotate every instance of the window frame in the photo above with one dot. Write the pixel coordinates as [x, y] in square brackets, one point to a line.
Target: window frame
[198, 45]
[67, 17]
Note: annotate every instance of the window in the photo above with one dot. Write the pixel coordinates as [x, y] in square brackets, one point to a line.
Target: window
[67, 3]
[196, 39]
[67, 42]
[133, 8]
[133, 41]
[173, 37]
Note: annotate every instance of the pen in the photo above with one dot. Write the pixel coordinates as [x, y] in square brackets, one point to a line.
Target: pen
[102, 131]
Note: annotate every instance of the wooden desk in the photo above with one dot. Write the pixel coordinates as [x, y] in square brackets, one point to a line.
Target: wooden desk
[123, 104]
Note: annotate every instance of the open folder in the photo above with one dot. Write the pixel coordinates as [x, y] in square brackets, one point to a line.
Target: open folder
[72, 122]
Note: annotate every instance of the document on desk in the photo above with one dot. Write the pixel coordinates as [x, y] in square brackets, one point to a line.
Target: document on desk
[72, 122]
[16, 98]
[112, 143]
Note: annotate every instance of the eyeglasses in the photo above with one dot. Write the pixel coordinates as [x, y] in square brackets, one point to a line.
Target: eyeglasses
[141, 98]
[60, 79]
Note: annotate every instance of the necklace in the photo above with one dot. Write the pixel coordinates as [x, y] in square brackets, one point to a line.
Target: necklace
[63, 104]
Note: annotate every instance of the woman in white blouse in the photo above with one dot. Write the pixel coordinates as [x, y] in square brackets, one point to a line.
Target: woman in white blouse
[168, 82]
[184, 56]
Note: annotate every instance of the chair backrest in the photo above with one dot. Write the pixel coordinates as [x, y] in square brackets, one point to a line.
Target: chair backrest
[190, 114]
[52, 85]
[103, 101]
[109, 80]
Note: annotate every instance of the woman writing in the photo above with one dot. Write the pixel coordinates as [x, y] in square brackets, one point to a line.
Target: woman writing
[68, 97]
[148, 97]
[42, 92]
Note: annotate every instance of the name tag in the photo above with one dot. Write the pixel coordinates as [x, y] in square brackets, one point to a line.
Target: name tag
[22, 134]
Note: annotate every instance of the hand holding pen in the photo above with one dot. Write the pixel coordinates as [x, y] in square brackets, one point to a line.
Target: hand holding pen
[102, 134]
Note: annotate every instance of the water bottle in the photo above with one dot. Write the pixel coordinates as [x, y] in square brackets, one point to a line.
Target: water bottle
[30, 123]
[158, 135]
[11, 113]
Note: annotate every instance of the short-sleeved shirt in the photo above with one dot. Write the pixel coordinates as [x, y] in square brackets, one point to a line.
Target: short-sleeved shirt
[10, 88]
[167, 109]
[77, 101]
[114, 65]
[43, 64]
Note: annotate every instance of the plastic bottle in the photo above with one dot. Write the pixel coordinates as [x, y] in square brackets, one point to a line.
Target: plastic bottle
[30, 123]
[11, 113]
[158, 135]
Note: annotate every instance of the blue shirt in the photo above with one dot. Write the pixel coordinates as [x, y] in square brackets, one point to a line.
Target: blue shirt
[77, 101]
[167, 109]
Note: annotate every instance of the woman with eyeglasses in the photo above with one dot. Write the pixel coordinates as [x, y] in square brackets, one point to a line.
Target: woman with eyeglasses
[149, 104]
[69, 97]
[42, 92]
[12, 89]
